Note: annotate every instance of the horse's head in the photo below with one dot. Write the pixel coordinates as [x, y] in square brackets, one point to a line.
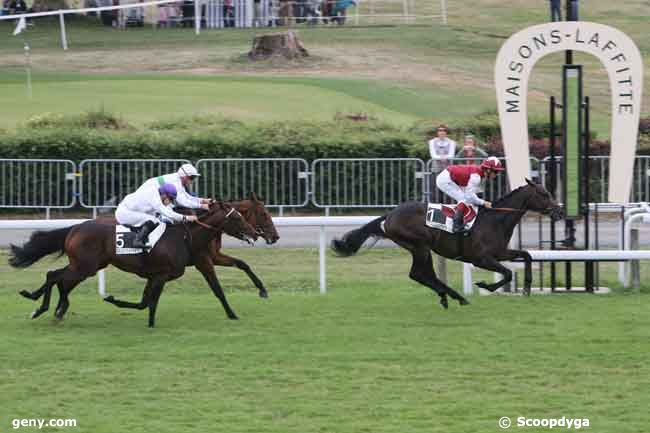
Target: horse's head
[257, 216]
[540, 200]
[230, 220]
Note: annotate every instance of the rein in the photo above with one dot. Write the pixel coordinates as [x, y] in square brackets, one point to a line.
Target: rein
[209, 227]
[505, 209]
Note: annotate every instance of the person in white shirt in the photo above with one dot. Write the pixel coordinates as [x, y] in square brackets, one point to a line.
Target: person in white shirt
[442, 149]
[140, 208]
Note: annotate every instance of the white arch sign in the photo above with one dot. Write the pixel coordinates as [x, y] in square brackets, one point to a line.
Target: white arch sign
[622, 60]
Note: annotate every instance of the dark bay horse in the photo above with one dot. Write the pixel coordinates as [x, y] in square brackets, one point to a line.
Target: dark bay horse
[484, 246]
[255, 214]
[90, 246]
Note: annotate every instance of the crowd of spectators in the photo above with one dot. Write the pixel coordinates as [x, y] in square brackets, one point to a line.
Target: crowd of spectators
[443, 150]
[266, 13]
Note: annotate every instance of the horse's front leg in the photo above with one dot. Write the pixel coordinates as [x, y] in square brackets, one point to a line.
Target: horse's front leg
[492, 264]
[204, 265]
[510, 255]
[144, 302]
[220, 259]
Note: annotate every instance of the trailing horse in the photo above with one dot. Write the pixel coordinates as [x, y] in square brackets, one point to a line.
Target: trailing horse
[484, 246]
[90, 246]
[258, 217]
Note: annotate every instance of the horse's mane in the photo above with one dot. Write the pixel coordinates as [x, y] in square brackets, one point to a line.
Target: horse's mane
[509, 195]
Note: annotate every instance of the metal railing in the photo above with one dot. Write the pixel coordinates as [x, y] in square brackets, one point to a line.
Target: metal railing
[599, 177]
[372, 182]
[105, 182]
[280, 182]
[37, 183]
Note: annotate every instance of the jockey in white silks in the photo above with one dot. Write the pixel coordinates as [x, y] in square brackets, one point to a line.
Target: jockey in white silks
[462, 182]
[144, 207]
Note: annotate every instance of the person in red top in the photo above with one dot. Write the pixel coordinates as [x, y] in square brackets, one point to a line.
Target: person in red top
[462, 182]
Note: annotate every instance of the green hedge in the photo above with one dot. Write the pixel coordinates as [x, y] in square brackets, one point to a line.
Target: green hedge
[102, 135]
[298, 140]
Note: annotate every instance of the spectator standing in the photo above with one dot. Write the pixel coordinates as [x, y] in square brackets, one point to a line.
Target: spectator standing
[257, 13]
[470, 153]
[286, 13]
[442, 149]
[556, 10]
[17, 7]
[228, 13]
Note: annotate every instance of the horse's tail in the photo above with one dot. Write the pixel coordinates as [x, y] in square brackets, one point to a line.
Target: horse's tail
[40, 244]
[352, 240]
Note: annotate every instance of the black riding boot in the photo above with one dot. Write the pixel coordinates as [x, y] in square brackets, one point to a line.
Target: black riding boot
[459, 216]
[141, 237]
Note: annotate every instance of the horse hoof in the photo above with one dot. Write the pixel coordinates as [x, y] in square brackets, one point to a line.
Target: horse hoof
[463, 302]
[264, 294]
[444, 303]
[26, 294]
[109, 298]
[233, 317]
[482, 285]
[36, 313]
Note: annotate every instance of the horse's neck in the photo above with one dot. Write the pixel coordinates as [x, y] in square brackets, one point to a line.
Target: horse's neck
[201, 236]
[506, 221]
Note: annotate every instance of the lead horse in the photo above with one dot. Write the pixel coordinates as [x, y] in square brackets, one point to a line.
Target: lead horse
[484, 246]
[255, 214]
[90, 246]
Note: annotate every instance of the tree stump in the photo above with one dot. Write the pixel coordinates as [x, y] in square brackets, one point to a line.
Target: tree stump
[284, 44]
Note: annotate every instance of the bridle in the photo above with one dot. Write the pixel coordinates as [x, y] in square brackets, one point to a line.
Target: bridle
[208, 226]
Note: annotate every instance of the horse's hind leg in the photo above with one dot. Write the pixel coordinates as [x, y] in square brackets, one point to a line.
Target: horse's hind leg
[422, 272]
[70, 279]
[52, 278]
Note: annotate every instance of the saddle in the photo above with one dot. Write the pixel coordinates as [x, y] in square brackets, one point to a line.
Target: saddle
[441, 217]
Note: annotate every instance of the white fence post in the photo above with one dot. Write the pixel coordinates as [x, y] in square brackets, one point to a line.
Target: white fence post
[64, 38]
[197, 17]
[321, 258]
[468, 289]
[101, 283]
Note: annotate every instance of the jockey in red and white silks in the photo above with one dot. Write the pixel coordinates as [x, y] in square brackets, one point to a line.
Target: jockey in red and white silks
[462, 182]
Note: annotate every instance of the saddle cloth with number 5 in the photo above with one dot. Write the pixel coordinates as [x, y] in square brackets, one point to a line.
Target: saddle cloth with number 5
[124, 237]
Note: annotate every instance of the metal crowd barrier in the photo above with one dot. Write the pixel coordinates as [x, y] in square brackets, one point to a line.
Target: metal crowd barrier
[37, 183]
[280, 182]
[599, 177]
[105, 182]
[373, 182]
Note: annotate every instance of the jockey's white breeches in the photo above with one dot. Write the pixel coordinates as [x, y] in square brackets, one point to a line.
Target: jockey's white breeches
[128, 217]
[449, 187]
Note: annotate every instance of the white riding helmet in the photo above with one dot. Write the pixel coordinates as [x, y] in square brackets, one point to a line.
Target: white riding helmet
[188, 170]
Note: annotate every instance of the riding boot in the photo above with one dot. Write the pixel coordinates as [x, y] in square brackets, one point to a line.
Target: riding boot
[459, 216]
[141, 237]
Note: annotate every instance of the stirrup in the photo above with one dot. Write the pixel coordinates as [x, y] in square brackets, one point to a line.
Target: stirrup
[142, 245]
